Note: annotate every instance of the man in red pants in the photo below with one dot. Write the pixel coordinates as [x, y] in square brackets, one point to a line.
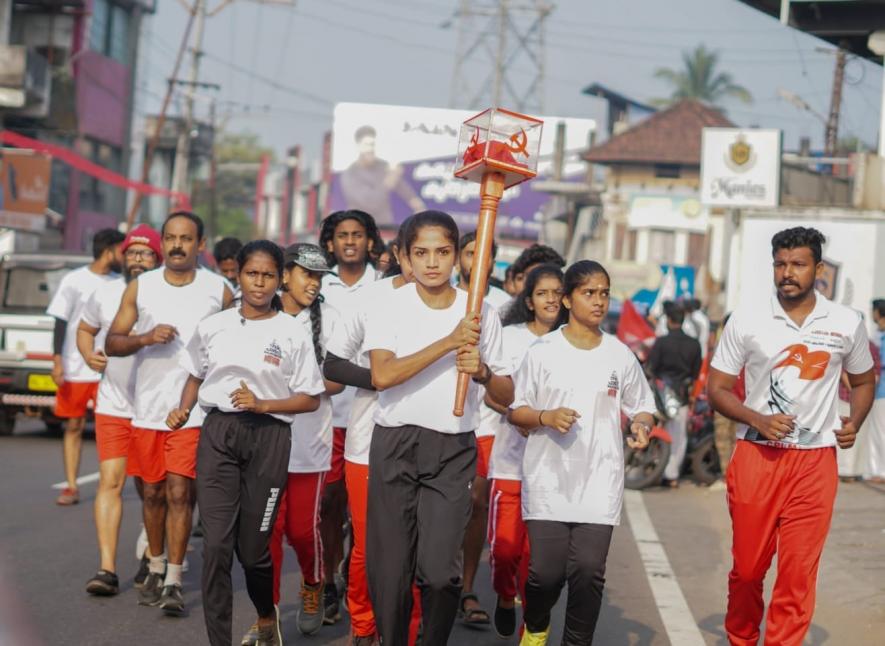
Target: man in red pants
[782, 479]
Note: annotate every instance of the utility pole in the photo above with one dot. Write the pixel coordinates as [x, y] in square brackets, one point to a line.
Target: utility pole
[495, 37]
[832, 131]
[182, 149]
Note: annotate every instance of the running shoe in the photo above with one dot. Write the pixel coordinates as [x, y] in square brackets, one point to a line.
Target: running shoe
[68, 497]
[364, 640]
[171, 600]
[505, 620]
[266, 635]
[151, 590]
[534, 639]
[312, 613]
[103, 584]
[143, 569]
[252, 636]
[331, 604]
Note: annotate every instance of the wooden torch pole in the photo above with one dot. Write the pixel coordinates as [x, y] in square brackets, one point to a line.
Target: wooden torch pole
[491, 189]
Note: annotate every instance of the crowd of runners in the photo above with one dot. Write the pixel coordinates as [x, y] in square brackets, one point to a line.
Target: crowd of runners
[307, 393]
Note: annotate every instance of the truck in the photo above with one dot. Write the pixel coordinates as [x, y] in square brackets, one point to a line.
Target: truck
[27, 283]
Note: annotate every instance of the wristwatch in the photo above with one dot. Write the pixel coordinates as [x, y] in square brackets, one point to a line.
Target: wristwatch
[482, 381]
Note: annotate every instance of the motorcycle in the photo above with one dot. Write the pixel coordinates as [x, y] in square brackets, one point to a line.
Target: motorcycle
[701, 456]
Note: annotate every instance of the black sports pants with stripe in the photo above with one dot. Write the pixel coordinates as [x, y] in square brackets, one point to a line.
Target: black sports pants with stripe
[419, 506]
[242, 464]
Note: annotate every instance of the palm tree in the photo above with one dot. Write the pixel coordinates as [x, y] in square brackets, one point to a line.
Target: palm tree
[699, 79]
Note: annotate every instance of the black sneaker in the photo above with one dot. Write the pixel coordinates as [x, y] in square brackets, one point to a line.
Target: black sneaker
[151, 590]
[171, 601]
[505, 621]
[143, 569]
[103, 584]
[331, 604]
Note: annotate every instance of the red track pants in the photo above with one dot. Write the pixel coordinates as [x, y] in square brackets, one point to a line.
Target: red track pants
[508, 540]
[362, 617]
[299, 519]
[780, 500]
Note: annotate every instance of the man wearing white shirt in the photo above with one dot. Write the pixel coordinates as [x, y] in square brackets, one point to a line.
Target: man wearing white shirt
[347, 238]
[782, 478]
[77, 382]
[114, 404]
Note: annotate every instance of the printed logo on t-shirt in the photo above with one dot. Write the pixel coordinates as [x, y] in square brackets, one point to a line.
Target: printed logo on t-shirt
[273, 354]
[613, 385]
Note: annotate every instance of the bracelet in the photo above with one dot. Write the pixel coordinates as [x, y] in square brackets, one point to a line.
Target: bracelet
[540, 421]
[482, 381]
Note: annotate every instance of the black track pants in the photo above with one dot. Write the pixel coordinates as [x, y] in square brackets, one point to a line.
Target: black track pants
[419, 506]
[560, 553]
[242, 463]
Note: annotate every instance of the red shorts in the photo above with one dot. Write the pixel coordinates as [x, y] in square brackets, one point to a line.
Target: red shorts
[73, 397]
[484, 455]
[336, 474]
[153, 454]
[112, 436]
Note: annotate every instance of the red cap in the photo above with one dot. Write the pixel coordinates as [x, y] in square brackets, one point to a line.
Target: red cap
[143, 234]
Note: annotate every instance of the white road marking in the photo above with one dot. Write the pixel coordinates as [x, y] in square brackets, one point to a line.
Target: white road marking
[677, 619]
[90, 477]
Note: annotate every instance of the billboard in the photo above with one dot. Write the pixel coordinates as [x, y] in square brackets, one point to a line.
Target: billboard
[24, 189]
[392, 161]
[740, 167]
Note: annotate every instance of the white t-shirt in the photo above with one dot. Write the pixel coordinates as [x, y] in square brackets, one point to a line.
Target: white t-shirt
[497, 298]
[406, 326]
[67, 304]
[578, 477]
[312, 432]
[347, 342]
[340, 295]
[794, 370]
[116, 391]
[509, 445]
[272, 356]
[159, 376]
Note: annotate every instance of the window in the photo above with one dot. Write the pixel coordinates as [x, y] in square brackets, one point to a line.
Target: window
[109, 33]
[668, 171]
[697, 249]
[661, 247]
[96, 195]
[625, 243]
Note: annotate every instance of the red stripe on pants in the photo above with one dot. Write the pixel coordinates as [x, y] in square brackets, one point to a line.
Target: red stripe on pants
[780, 500]
[299, 519]
[508, 540]
[362, 617]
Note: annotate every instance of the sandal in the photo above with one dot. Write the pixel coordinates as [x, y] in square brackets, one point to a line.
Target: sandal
[475, 617]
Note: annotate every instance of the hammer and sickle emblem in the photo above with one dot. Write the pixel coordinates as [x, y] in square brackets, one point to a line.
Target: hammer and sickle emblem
[518, 142]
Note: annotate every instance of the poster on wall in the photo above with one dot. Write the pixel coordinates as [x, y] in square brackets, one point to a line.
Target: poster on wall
[740, 167]
[392, 161]
[24, 189]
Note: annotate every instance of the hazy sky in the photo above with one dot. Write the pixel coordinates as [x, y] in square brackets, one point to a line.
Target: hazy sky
[395, 51]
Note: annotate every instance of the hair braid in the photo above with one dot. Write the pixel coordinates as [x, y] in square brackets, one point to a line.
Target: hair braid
[316, 328]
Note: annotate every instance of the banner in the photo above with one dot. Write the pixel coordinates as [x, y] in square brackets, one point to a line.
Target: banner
[392, 161]
[24, 189]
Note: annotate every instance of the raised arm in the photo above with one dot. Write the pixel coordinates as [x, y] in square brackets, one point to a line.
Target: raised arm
[121, 342]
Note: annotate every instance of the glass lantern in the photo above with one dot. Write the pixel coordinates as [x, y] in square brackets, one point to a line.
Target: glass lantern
[499, 140]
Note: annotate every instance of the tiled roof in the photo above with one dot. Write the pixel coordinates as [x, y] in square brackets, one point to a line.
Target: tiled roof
[671, 136]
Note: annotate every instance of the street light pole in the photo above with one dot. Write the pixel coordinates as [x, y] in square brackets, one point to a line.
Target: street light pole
[182, 149]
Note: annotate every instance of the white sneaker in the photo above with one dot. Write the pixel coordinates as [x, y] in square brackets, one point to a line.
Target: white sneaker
[185, 566]
[719, 485]
[141, 544]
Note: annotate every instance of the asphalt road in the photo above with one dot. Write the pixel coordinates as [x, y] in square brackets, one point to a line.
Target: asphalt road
[47, 553]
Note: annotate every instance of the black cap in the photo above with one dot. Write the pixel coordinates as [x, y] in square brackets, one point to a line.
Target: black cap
[308, 256]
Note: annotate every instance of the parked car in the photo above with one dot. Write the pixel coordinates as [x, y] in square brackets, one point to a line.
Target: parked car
[27, 283]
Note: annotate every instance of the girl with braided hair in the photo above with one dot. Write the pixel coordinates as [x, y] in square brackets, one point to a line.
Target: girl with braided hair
[311, 453]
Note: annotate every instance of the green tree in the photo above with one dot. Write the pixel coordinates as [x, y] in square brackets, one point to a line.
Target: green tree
[700, 79]
[237, 156]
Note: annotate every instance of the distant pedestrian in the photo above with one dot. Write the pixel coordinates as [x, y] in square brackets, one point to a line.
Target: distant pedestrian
[874, 464]
[225, 253]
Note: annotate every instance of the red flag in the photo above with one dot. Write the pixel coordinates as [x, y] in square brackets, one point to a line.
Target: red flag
[633, 329]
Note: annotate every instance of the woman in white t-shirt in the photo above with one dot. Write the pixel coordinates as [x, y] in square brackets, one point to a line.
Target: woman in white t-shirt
[422, 457]
[311, 455]
[251, 369]
[570, 392]
[535, 312]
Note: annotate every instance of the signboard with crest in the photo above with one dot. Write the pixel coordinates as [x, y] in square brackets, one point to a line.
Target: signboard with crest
[740, 167]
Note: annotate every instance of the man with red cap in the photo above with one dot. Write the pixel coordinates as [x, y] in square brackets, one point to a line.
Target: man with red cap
[142, 252]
